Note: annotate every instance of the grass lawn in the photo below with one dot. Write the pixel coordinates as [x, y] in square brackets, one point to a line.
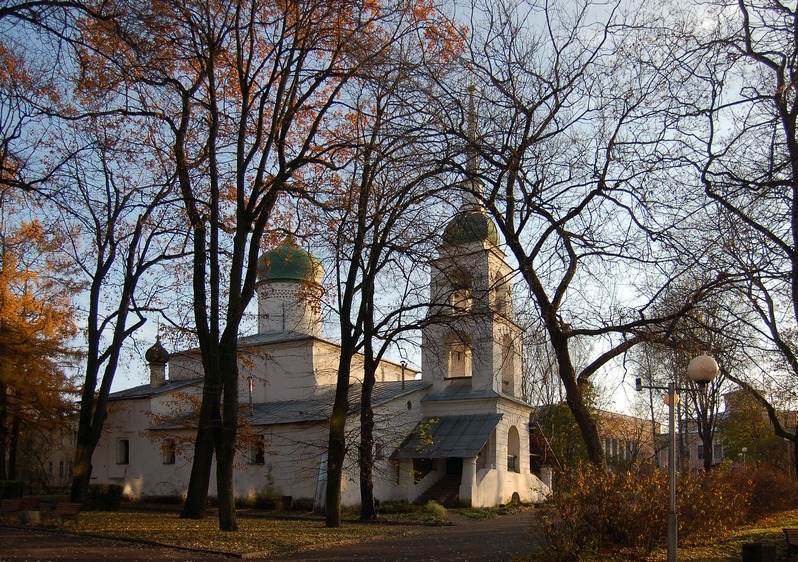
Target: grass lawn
[256, 533]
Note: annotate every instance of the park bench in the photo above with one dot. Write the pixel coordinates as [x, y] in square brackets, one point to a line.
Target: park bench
[30, 504]
[64, 510]
[10, 505]
[791, 534]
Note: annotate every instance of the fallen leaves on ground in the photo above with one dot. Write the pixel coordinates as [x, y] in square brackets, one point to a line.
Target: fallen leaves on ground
[255, 534]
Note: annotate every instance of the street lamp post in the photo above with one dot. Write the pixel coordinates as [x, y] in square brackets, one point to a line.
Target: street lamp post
[701, 370]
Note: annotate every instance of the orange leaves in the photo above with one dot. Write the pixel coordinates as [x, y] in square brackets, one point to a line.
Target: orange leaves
[36, 321]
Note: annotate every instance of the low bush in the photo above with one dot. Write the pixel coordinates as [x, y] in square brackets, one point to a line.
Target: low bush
[596, 511]
[772, 489]
[302, 504]
[709, 504]
[625, 513]
[435, 511]
[477, 513]
[105, 497]
[395, 507]
[12, 488]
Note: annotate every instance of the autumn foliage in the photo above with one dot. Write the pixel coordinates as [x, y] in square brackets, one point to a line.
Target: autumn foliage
[36, 326]
[624, 513]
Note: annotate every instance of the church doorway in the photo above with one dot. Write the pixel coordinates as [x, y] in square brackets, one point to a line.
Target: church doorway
[454, 465]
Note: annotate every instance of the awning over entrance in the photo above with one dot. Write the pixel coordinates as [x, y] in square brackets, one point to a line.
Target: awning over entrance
[448, 436]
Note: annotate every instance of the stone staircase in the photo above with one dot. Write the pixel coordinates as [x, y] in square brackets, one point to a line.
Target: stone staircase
[445, 491]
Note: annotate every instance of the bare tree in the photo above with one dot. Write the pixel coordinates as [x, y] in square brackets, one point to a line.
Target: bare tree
[113, 202]
[573, 152]
[382, 225]
[740, 126]
[247, 95]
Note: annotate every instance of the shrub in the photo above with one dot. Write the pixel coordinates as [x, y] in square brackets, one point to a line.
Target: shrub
[435, 511]
[12, 488]
[595, 513]
[772, 489]
[395, 507]
[105, 497]
[268, 503]
[302, 504]
[477, 513]
[710, 503]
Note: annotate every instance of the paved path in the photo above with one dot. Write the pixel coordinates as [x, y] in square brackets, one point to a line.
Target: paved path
[493, 540]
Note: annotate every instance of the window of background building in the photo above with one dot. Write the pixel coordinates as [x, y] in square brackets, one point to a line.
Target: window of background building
[123, 451]
[258, 451]
[168, 450]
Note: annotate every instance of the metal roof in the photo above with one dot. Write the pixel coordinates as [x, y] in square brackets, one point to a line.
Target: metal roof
[147, 391]
[313, 409]
[448, 436]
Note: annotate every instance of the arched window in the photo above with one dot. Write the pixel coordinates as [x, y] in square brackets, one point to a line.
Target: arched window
[462, 292]
[458, 350]
[508, 365]
[513, 450]
[502, 298]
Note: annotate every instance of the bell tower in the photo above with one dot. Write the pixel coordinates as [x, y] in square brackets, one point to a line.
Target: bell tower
[472, 341]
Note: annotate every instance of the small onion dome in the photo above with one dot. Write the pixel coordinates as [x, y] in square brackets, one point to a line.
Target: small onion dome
[157, 354]
[289, 262]
[470, 226]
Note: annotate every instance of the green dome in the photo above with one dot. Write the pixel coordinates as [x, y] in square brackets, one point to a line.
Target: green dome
[470, 226]
[289, 262]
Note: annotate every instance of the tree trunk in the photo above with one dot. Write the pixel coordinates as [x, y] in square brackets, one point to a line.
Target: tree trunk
[366, 457]
[575, 398]
[559, 343]
[226, 444]
[706, 440]
[81, 472]
[795, 454]
[196, 502]
[337, 442]
[3, 430]
[13, 447]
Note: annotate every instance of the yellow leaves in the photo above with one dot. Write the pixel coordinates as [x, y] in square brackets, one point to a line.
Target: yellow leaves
[36, 320]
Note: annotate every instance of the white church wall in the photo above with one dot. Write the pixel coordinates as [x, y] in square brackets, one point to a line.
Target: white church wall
[392, 423]
[495, 487]
[291, 462]
[185, 365]
[281, 372]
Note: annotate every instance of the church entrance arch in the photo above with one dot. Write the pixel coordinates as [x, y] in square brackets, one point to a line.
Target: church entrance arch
[513, 450]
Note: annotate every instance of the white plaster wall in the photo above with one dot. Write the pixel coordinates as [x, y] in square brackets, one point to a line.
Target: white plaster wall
[496, 487]
[293, 453]
[185, 365]
[282, 372]
[289, 306]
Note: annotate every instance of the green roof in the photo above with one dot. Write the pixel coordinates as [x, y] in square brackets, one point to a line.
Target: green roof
[470, 226]
[289, 262]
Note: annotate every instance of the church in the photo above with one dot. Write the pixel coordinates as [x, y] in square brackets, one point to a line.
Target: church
[458, 429]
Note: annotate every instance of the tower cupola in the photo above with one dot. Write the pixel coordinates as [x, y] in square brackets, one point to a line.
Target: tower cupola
[289, 290]
[157, 357]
